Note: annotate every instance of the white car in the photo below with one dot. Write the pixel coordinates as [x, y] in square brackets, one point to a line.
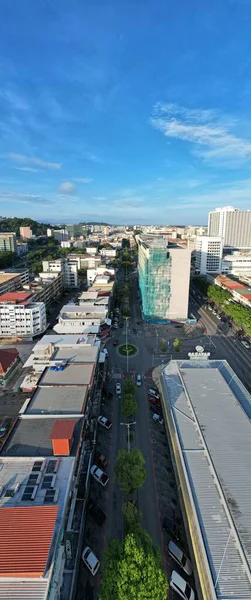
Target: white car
[99, 475]
[118, 389]
[246, 344]
[105, 351]
[105, 422]
[90, 560]
[181, 587]
[218, 317]
[158, 419]
[210, 308]
[138, 380]
[180, 558]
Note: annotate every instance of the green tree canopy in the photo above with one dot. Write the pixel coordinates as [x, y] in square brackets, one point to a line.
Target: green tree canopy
[218, 294]
[129, 405]
[129, 385]
[7, 259]
[132, 517]
[177, 344]
[130, 470]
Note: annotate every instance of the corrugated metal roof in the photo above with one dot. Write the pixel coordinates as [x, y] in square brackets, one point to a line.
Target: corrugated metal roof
[25, 539]
[63, 429]
[214, 433]
[23, 590]
[7, 357]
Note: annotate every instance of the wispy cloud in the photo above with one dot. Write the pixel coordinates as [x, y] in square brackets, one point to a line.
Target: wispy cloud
[83, 179]
[209, 133]
[29, 169]
[26, 198]
[32, 160]
[67, 187]
[94, 157]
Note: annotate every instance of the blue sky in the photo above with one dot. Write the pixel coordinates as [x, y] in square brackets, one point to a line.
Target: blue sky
[134, 112]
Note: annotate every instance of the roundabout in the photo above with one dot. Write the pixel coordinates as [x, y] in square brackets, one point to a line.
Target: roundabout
[127, 350]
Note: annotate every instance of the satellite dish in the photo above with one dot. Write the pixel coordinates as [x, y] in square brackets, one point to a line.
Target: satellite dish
[199, 349]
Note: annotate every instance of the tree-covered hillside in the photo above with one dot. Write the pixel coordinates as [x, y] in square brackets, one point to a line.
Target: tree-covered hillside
[15, 223]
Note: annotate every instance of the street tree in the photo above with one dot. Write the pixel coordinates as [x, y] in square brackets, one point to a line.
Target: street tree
[129, 405]
[163, 346]
[177, 344]
[129, 386]
[130, 470]
[132, 517]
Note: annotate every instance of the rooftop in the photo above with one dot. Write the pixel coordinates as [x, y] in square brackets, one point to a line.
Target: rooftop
[63, 340]
[83, 309]
[5, 277]
[25, 537]
[63, 429]
[31, 438]
[16, 297]
[72, 374]
[78, 354]
[62, 400]
[7, 357]
[211, 412]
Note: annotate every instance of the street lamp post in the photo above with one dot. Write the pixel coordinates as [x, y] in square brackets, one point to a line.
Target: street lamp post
[127, 357]
[128, 425]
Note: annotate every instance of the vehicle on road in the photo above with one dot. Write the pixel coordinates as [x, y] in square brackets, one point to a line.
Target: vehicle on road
[158, 419]
[156, 409]
[115, 342]
[104, 422]
[180, 558]
[118, 389]
[246, 344]
[171, 527]
[218, 317]
[210, 308]
[154, 401]
[90, 560]
[134, 330]
[105, 351]
[99, 475]
[114, 326]
[154, 393]
[101, 460]
[5, 427]
[181, 587]
[138, 380]
[96, 513]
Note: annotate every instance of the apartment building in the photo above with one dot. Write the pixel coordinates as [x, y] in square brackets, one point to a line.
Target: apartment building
[47, 288]
[100, 275]
[233, 225]
[11, 281]
[86, 261]
[208, 254]
[25, 232]
[108, 252]
[67, 267]
[8, 242]
[238, 263]
[20, 316]
[164, 276]
[87, 318]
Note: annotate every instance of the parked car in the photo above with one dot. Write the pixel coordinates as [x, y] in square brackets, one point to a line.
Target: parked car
[154, 393]
[115, 342]
[155, 408]
[180, 558]
[246, 344]
[105, 351]
[170, 526]
[101, 460]
[134, 330]
[158, 419]
[154, 401]
[181, 587]
[99, 475]
[90, 560]
[5, 427]
[138, 380]
[104, 422]
[96, 513]
[118, 389]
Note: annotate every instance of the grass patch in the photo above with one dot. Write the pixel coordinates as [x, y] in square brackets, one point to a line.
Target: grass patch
[127, 350]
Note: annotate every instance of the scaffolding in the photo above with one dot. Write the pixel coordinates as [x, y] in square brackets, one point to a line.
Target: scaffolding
[155, 280]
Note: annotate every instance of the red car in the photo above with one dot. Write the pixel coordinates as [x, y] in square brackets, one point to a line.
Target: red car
[115, 342]
[154, 401]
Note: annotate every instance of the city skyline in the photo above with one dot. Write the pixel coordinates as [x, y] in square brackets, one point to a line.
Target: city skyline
[129, 114]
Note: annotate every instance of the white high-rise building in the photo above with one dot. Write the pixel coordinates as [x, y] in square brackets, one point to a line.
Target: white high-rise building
[233, 225]
[208, 254]
[20, 316]
[68, 268]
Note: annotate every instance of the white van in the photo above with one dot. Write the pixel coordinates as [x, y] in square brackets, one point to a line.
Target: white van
[181, 587]
[90, 560]
[180, 558]
[153, 393]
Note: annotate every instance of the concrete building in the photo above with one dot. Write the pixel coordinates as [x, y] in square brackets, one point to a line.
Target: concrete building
[20, 316]
[9, 361]
[87, 318]
[233, 225]
[208, 254]
[66, 244]
[91, 249]
[238, 263]
[11, 281]
[46, 288]
[108, 252]
[207, 413]
[74, 230]
[25, 232]
[22, 248]
[86, 261]
[67, 267]
[101, 275]
[8, 242]
[164, 277]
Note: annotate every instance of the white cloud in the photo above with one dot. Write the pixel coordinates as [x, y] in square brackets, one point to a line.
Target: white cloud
[32, 160]
[209, 133]
[29, 169]
[83, 179]
[67, 187]
[26, 198]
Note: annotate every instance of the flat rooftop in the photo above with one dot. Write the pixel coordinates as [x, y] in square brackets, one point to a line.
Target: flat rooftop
[31, 438]
[211, 413]
[72, 374]
[61, 400]
[77, 354]
[82, 309]
[5, 277]
[63, 341]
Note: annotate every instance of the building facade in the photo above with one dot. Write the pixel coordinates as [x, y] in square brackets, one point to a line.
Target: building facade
[25, 232]
[238, 263]
[208, 254]
[20, 316]
[8, 242]
[164, 276]
[233, 225]
[68, 267]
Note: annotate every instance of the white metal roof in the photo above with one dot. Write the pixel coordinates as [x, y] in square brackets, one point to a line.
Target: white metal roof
[209, 407]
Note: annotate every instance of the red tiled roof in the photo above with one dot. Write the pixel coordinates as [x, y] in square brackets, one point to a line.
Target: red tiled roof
[63, 429]
[15, 297]
[25, 539]
[7, 357]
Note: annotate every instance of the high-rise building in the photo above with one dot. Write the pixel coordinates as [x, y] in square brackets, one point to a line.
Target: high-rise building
[164, 275]
[25, 232]
[208, 254]
[233, 225]
[8, 242]
[74, 230]
[20, 316]
[68, 268]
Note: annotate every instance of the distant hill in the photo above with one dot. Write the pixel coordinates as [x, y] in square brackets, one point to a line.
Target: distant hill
[15, 223]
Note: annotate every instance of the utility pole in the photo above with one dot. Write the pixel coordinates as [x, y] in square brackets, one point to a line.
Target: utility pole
[128, 425]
